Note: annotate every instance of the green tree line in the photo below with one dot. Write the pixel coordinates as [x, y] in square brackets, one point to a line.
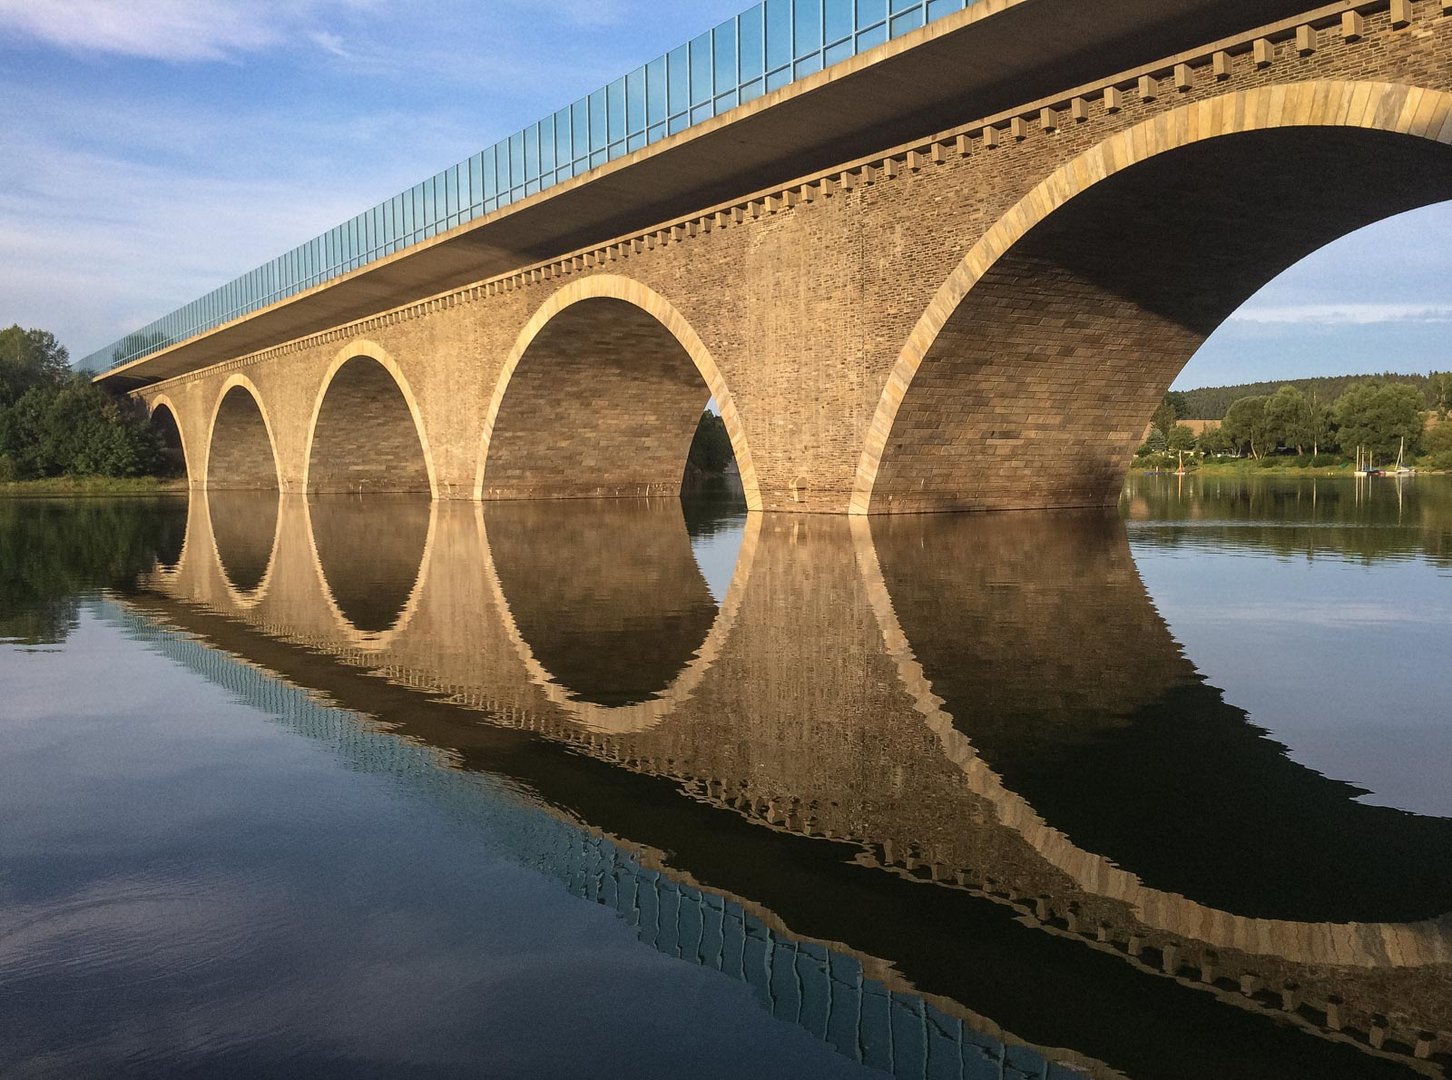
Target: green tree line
[1372, 416]
[55, 422]
[1213, 402]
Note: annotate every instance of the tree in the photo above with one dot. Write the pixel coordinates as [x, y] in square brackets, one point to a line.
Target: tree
[1380, 416]
[29, 358]
[1245, 426]
[711, 448]
[1439, 393]
[1438, 443]
[1165, 417]
[1322, 428]
[1288, 419]
[55, 422]
[1181, 438]
[73, 428]
[1213, 440]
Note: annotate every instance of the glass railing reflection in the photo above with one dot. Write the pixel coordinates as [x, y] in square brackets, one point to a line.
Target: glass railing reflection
[867, 1015]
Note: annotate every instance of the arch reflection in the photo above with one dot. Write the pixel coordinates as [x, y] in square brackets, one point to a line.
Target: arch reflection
[370, 556]
[1048, 654]
[607, 603]
[172, 542]
[244, 528]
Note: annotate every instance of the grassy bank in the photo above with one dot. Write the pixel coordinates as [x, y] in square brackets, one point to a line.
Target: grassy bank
[72, 487]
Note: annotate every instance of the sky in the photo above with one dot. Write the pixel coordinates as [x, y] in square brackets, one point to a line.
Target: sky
[151, 150]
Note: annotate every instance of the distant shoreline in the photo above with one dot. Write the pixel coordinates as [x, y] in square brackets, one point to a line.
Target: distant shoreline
[1253, 467]
[72, 487]
[82, 487]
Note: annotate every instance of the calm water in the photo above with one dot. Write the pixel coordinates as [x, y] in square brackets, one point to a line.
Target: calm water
[352, 788]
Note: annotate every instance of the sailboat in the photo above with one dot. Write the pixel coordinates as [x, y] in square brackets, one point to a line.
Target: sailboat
[1364, 467]
[1401, 469]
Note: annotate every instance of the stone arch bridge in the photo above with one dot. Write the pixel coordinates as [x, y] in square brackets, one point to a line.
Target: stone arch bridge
[976, 305]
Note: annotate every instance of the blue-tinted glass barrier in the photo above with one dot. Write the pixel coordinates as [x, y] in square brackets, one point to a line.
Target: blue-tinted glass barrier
[764, 48]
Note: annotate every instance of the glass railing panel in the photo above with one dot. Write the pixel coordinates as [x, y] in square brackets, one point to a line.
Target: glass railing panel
[766, 47]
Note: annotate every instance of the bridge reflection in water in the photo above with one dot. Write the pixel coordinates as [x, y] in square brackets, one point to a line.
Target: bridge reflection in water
[944, 790]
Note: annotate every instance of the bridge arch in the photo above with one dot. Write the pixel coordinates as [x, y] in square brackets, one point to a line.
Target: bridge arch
[167, 423]
[1061, 329]
[241, 450]
[366, 433]
[568, 399]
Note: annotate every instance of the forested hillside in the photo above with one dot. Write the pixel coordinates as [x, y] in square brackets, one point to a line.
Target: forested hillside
[1211, 402]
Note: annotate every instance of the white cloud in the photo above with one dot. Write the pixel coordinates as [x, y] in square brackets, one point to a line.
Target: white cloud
[175, 30]
[157, 29]
[152, 243]
[331, 43]
[1350, 314]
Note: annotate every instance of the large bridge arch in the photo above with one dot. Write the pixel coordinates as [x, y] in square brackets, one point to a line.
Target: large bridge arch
[241, 450]
[165, 419]
[1030, 377]
[572, 415]
[366, 433]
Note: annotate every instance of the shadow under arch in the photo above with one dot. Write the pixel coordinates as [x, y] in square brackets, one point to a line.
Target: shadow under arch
[241, 450]
[366, 433]
[697, 629]
[372, 591]
[163, 416]
[1030, 378]
[1027, 650]
[246, 528]
[171, 551]
[600, 397]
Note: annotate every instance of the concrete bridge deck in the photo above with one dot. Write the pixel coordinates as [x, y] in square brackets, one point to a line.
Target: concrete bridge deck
[955, 272]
